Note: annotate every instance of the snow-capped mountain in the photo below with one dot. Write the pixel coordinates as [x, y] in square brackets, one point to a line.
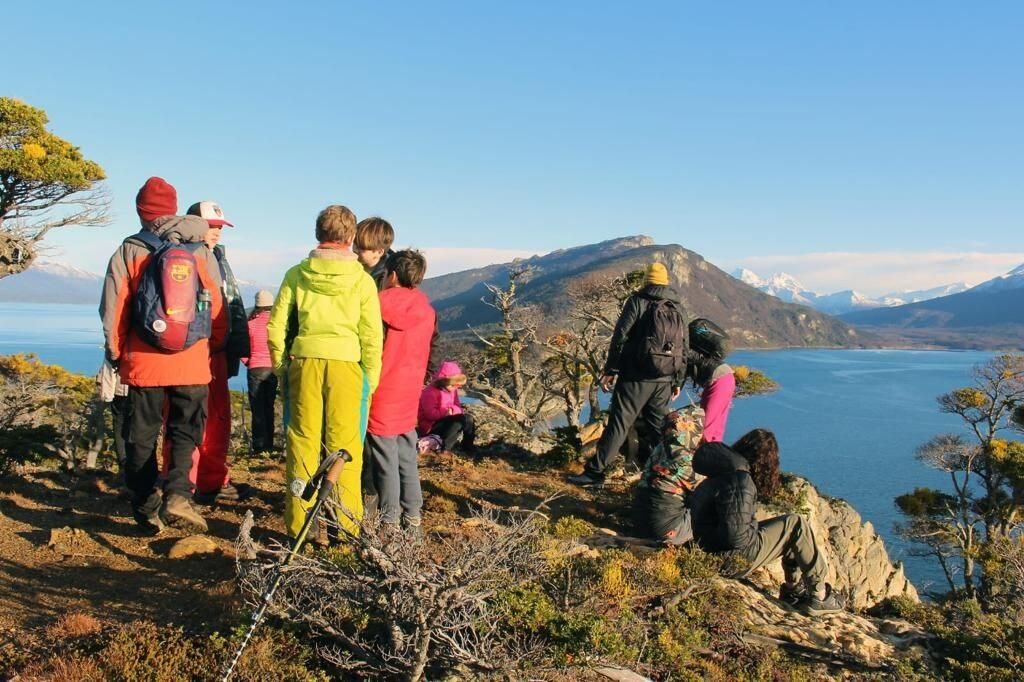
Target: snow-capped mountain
[52, 282]
[1014, 279]
[788, 288]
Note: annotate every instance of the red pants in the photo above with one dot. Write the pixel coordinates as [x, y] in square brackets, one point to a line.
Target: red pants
[209, 471]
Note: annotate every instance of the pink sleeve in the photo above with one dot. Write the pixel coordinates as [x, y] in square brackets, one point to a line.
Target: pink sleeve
[430, 405]
[716, 401]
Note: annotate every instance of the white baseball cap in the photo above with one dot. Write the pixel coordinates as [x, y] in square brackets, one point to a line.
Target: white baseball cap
[211, 212]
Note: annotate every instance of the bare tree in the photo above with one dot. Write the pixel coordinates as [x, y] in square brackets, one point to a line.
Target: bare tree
[385, 604]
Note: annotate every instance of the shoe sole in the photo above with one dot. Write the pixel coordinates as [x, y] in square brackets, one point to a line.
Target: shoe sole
[184, 522]
[821, 612]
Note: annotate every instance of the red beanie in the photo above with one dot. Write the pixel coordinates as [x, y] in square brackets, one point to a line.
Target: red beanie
[156, 198]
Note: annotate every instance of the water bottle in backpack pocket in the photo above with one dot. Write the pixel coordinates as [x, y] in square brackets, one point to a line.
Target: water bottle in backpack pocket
[171, 307]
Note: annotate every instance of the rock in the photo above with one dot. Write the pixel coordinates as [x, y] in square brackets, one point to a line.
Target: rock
[66, 537]
[859, 565]
[193, 545]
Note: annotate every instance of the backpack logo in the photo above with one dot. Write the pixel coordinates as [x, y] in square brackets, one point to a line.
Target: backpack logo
[180, 272]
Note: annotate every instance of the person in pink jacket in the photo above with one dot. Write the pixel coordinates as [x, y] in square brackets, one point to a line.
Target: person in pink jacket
[409, 322]
[441, 412]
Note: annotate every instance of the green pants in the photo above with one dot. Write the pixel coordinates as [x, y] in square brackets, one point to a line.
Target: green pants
[788, 537]
[328, 404]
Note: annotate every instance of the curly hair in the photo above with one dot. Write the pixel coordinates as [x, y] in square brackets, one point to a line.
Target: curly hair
[761, 449]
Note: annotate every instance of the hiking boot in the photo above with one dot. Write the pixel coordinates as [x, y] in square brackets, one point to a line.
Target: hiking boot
[178, 512]
[430, 443]
[813, 606]
[149, 522]
[587, 480]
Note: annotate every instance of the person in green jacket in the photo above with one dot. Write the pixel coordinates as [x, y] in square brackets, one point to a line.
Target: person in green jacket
[325, 335]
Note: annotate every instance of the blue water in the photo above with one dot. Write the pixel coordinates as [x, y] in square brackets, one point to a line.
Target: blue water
[66, 335]
[848, 420]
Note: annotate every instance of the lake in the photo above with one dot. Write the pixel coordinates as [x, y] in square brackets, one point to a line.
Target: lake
[848, 420]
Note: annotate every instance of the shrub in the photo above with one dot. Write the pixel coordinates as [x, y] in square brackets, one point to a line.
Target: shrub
[752, 382]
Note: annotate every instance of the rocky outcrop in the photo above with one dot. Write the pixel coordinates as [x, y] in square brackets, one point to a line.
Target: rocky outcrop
[859, 564]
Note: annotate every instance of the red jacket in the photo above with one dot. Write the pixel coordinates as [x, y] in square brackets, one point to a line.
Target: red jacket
[408, 328]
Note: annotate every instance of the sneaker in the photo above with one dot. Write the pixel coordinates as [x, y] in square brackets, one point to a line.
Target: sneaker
[587, 480]
[178, 512]
[832, 603]
[232, 492]
[150, 522]
[429, 444]
[792, 593]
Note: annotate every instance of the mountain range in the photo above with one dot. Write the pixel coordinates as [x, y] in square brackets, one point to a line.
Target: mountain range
[55, 282]
[988, 316]
[753, 318]
[788, 288]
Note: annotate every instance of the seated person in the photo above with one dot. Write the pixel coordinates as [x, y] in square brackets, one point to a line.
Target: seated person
[659, 507]
[722, 512]
[441, 412]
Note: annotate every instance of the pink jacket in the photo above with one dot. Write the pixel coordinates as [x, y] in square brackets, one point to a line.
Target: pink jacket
[435, 402]
[259, 351]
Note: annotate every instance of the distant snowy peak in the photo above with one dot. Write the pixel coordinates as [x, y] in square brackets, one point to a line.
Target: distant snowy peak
[788, 288]
[1014, 279]
[59, 269]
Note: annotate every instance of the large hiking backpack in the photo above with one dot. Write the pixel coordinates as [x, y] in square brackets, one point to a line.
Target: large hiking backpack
[170, 309]
[661, 346]
[707, 338]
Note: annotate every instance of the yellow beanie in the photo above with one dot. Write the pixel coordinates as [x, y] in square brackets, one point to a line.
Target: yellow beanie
[656, 273]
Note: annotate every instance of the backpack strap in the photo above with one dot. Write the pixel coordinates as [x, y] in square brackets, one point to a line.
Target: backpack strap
[146, 239]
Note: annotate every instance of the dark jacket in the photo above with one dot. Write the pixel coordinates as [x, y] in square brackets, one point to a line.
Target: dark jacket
[238, 320]
[622, 351]
[379, 270]
[723, 506]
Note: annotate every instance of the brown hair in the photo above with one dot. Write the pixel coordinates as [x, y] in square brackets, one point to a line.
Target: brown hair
[336, 224]
[761, 449]
[374, 234]
[409, 266]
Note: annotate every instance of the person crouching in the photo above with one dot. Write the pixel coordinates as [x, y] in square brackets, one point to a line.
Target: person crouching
[441, 412]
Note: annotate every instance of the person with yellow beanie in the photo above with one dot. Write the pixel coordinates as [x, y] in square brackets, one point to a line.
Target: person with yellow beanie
[647, 366]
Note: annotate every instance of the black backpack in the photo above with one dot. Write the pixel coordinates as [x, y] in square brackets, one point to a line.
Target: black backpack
[708, 339]
[661, 341]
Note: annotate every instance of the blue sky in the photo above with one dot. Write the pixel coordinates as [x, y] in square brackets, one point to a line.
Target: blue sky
[774, 135]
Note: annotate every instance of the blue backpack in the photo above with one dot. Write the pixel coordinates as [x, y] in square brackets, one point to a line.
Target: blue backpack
[171, 309]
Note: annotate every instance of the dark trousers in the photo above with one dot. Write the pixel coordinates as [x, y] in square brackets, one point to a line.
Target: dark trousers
[186, 420]
[262, 394]
[452, 427]
[396, 474]
[647, 401]
[118, 412]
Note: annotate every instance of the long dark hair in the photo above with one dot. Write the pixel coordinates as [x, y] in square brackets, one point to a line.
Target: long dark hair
[258, 309]
[760, 448]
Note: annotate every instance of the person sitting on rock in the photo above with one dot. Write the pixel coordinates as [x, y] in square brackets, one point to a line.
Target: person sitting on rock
[659, 507]
[723, 510]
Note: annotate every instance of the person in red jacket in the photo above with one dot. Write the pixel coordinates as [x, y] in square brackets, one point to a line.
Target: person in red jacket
[160, 380]
[262, 380]
[409, 321]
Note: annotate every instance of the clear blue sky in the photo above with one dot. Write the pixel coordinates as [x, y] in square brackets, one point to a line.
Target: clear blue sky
[740, 130]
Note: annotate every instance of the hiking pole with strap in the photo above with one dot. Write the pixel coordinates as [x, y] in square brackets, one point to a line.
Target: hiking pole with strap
[321, 485]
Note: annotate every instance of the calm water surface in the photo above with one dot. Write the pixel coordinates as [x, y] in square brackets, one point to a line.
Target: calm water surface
[848, 420]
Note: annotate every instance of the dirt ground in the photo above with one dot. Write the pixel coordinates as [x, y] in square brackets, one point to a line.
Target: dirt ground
[68, 543]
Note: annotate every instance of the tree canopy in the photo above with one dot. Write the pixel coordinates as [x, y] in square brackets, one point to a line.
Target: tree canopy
[45, 183]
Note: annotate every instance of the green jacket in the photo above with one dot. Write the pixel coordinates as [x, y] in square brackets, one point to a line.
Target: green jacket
[327, 308]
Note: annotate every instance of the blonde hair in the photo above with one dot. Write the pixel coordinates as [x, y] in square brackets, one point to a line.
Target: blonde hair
[336, 224]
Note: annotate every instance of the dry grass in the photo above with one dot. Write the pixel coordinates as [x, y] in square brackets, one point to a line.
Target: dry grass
[73, 626]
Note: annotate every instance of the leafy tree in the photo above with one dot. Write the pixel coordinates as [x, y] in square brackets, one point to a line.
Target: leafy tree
[960, 527]
[45, 183]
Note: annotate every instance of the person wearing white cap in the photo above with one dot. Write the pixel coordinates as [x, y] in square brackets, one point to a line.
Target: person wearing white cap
[209, 472]
[262, 380]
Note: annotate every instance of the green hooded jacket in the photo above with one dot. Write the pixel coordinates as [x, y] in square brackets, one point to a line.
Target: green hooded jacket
[333, 309]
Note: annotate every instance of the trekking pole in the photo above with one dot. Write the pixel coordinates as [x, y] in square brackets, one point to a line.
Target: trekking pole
[321, 485]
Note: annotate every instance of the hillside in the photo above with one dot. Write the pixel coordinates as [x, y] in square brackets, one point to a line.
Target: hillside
[989, 316]
[755, 319]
